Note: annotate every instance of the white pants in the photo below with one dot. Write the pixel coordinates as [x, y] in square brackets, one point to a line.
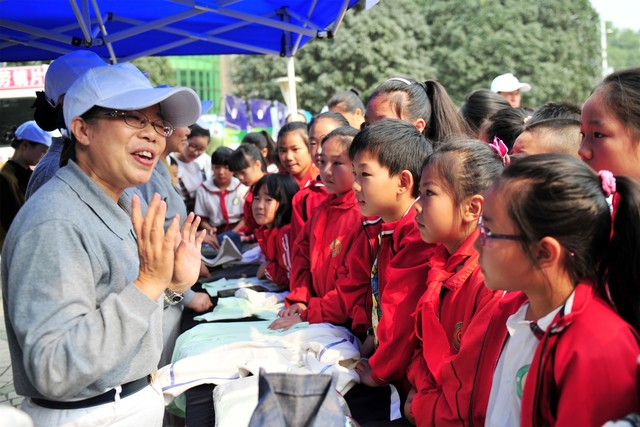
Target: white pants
[144, 408]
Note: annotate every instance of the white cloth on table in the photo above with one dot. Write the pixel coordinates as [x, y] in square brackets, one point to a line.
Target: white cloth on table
[215, 353]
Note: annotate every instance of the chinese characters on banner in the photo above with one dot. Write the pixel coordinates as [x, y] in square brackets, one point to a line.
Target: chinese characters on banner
[28, 77]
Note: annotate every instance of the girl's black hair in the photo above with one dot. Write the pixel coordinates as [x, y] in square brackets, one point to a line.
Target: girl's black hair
[479, 105]
[428, 100]
[397, 145]
[221, 156]
[197, 130]
[621, 94]
[559, 196]
[263, 140]
[281, 187]
[244, 156]
[337, 118]
[507, 124]
[344, 135]
[467, 166]
[299, 127]
[346, 100]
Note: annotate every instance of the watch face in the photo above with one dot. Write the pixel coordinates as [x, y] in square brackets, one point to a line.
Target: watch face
[172, 297]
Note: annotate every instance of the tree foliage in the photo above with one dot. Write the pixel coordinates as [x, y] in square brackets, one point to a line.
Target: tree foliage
[159, 69]
[370, 46]
[552, 44]
[623, 47]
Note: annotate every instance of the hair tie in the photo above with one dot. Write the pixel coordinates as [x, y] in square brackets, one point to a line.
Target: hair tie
[399, 79]
[502, 150]
[608, 182]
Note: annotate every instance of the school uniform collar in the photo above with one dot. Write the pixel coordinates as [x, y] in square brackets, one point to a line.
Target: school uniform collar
[407, 217]
[458, 266]
[211, 187]
[317, 182]
[117, 217]
[344, 201]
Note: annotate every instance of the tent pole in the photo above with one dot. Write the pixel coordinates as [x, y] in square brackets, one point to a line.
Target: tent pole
[291, 74]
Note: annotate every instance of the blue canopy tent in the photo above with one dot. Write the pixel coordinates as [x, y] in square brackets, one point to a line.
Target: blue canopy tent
[122, 30]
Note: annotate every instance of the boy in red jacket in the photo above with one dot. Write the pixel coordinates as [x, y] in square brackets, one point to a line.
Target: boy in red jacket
[387, 160]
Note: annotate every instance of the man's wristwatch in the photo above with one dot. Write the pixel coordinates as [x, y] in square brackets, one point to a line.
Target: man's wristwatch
[172, 297]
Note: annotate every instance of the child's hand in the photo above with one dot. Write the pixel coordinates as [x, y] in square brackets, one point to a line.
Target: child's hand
[261, 271]
[363, 368]
[368, 346]
[293, 310]
[407, 406]
[211, 238]
[200, 302]
[285, 323]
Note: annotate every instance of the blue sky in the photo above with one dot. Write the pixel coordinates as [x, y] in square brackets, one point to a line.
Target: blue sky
[623, 13]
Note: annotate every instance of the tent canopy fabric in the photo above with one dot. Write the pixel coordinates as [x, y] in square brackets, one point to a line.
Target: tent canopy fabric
[123, 30]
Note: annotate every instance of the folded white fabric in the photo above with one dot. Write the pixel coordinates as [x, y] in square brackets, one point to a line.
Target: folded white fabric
[261, 299]
[216, 353]
[216, 287]
[240, 308]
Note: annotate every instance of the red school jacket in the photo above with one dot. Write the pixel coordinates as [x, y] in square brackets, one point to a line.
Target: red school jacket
[583, 373]
[402, 273]
[320, 256]
[250, 224]
[276, 247]
[305, 203]
[456, 298]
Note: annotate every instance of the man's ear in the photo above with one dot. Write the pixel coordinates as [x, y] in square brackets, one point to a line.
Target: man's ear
[80, 130]
[472, 208]
[406, 182]
[548, 252]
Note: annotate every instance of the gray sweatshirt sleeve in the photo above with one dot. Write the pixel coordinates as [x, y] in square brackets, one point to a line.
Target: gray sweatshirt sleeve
[82, 325]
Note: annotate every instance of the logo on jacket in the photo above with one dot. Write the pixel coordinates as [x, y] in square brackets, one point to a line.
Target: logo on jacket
[335, 247]
[521, 377]
[457, 336]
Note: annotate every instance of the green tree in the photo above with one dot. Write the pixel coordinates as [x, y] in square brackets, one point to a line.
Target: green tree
[552, 44]
[159, 69]
[370, 46]
[623, 47]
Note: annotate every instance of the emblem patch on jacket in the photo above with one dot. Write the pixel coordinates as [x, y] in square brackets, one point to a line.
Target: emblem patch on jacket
[457, 336]
[335, 247]
[521, 377]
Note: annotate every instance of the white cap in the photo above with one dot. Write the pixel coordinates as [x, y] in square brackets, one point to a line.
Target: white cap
[508, 83]
[30, 131]
[67, 69]
[124, 87]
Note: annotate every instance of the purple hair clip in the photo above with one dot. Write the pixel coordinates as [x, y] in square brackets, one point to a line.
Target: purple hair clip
[608, 182]
[502, 150]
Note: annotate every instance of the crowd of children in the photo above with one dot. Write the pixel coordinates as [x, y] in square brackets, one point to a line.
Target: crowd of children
[486, 259]
[486, 289]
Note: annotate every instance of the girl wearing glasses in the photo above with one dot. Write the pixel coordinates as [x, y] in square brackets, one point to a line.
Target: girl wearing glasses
[562, 346]
[194, 165]
[452, 186]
